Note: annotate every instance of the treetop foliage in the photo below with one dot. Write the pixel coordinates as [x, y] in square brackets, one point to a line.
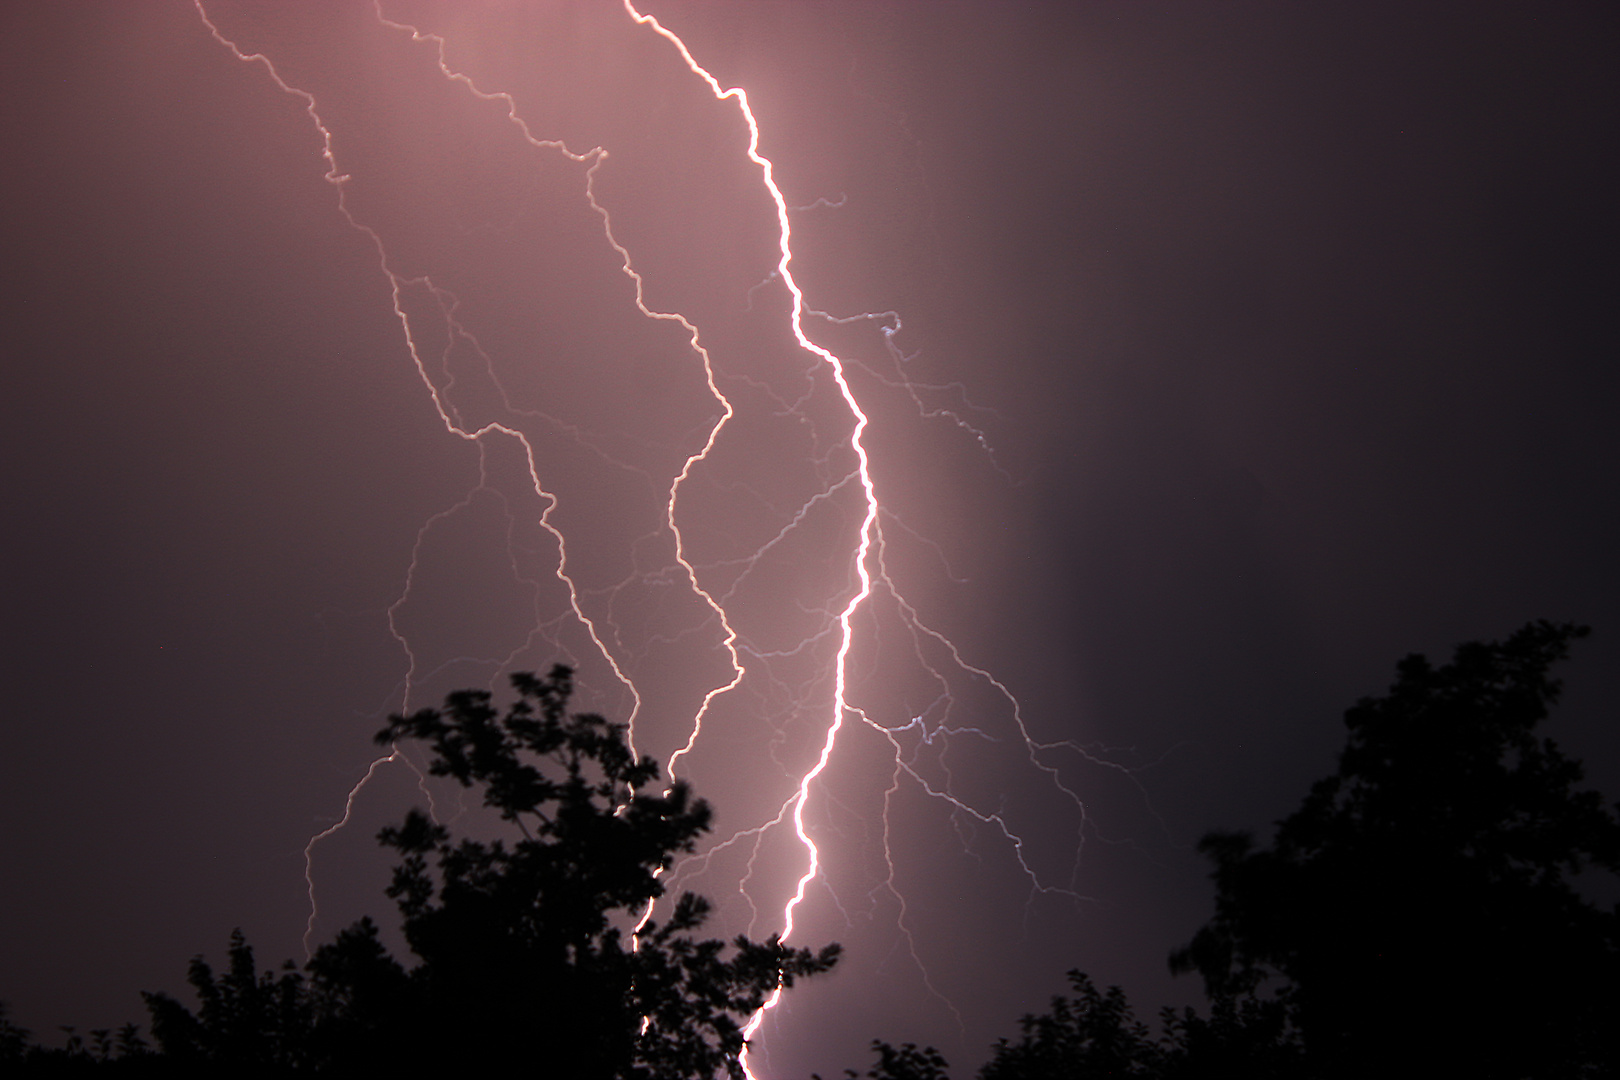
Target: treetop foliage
[1426, 911]
[1092, 1033]
[524, 947]
[1428, 886]
[1420, 914]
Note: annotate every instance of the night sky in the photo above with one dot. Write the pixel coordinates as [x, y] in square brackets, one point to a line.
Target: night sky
[1243, 349]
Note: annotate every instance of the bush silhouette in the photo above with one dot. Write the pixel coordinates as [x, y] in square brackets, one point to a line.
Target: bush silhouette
[526, 955]
[1419, 913]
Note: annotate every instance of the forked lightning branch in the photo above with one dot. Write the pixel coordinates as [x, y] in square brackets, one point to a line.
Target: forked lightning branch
[847, 616]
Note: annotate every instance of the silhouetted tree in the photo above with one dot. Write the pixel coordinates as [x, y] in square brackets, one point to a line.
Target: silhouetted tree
[1244, 1037]
[1420, 914]
[120, 1052]
[907, 1062]
[363, 999]
[14, 1040]
[247, 1022]
[533, 953]
[1092, 1034]
[355, 1000]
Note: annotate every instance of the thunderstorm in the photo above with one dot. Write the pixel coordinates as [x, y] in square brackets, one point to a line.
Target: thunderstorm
[980, 448]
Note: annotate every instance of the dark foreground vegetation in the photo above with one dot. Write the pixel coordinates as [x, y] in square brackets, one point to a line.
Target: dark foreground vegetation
[1421, 914]
[1425, 912]
[523, 952]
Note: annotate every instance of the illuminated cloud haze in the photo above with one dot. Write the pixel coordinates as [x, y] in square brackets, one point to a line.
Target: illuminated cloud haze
[1212, 358]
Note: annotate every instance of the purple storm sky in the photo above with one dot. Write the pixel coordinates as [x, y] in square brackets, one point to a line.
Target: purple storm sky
[1244, 348]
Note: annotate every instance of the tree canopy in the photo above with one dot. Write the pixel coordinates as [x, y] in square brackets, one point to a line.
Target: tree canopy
[535, 950]
[1093, 1033]
[1423, 911]
[1428, 910]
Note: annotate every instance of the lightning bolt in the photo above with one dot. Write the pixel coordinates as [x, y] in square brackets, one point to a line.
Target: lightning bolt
[864, 472]
[414, 298]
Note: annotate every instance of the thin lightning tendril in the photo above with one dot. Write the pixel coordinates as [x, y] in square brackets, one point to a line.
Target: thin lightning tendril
[348, 812]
